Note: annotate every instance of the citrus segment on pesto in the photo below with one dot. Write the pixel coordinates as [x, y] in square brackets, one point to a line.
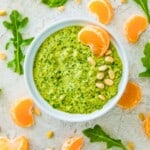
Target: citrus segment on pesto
[65, 78]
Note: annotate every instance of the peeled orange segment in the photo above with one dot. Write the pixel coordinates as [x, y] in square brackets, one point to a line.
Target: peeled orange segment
[131, 96]
[102, 9]
[146, 126]
[21, 113]
[73, 144]
[96, 38]
[134, 27]
[103, 33]
[20, 143]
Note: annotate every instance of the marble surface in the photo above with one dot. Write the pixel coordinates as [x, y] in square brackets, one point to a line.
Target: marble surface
[119, 123]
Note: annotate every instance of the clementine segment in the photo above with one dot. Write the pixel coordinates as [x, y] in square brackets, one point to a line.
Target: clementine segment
[22, 113]
[20, 143]
[103, 33]
[102, 9]
[134, 27]
[96, 38]
[91, 38]
[131, 96]
[146, 126]
[73, 144]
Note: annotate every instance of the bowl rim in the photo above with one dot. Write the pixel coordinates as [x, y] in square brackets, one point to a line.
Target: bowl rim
[31, 87]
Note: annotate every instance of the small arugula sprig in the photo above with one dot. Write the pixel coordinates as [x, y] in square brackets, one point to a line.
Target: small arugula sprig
[17, 22]
[146, 61]
[54, 3]
[98, 135]
[144, 5]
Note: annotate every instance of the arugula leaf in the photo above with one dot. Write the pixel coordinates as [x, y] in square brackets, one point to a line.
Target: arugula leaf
[144, 5]
[146, 61]
[145, 74]
[98, 135]
[16, 24]
[54, 3]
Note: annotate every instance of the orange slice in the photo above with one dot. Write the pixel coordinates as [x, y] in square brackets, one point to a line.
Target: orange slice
[73, 144]
[131, 96]
[21, 112]
[134, 27]
[96, 38]
[20, 143]
[103, 33]
[102, 9]
[146, 126]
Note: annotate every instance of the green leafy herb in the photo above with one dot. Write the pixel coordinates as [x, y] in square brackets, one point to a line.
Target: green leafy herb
[146, 61]
[98, 135]
[54, 3]
[17, 22]
[0, 91]
[144, 5]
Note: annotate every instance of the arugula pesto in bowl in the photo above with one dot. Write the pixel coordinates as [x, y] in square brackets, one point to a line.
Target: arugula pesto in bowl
[66, 80]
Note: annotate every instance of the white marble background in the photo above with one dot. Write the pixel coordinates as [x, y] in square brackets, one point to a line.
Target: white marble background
[119, 123]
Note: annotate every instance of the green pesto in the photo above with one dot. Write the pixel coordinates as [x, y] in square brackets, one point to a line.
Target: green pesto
[65, 79]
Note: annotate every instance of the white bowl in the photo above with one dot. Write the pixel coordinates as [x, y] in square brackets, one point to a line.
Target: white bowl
[33, 91]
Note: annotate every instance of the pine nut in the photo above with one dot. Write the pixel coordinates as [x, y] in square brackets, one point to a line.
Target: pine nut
[3, 56]
[108, 82]
[36, 111]
[100, 85]
[108, 52]
[131, 145]
[3, 13]
[101, 97]
[78, 1]
[100, 75]
[103, 68]
[109, 59]
[141, 116]
[49, 134]
[50, 148]
[111, 74]
[91, 61]
[61, 8]
[123, 1]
